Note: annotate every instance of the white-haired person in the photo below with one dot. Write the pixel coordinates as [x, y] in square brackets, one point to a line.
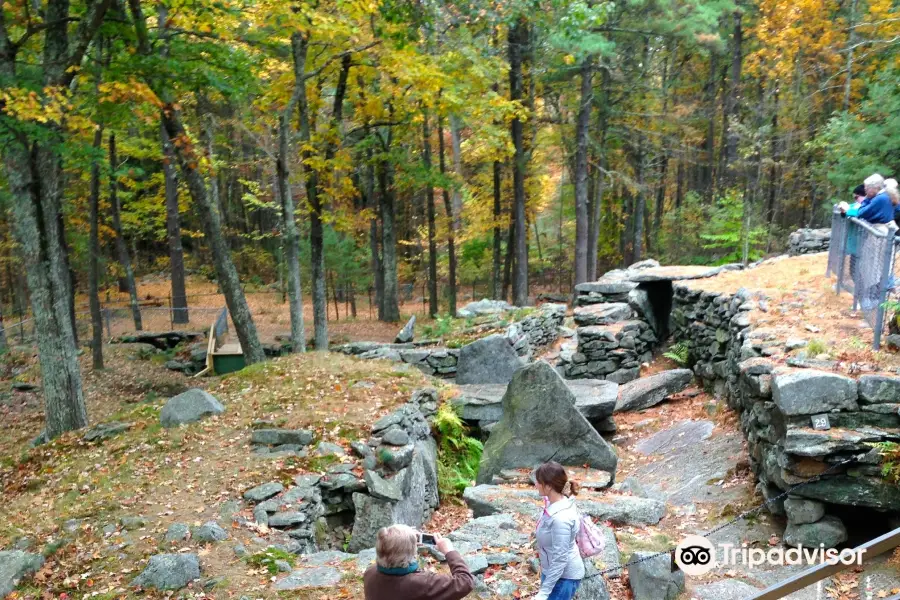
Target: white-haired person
[878, 208]
[396, 575]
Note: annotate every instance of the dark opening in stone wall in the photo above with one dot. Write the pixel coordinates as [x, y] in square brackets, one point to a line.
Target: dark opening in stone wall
[659, 296]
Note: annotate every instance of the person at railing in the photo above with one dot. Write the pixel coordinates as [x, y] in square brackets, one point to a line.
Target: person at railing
[877, 208]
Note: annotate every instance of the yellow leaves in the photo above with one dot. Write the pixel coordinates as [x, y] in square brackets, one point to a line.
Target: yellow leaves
[28, 105]
[122, 92]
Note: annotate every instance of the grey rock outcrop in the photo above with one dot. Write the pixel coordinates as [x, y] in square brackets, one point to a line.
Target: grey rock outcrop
[14, 566]
[653, 578]
[540, 423]
[169, 572]
[488, 360]
[829, 531]
[407, 333]
[189, 407]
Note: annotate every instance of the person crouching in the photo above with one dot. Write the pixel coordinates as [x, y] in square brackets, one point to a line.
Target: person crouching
[396, 574]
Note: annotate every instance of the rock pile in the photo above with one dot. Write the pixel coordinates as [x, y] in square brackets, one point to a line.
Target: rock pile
[612, 352]
[807, 241]
[431, 360]
[400, 471]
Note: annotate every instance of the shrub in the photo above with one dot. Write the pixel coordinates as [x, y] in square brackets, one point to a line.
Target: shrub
[442, 325]
[459, 455]
[816, 347]
[266, 559]
[890, 460]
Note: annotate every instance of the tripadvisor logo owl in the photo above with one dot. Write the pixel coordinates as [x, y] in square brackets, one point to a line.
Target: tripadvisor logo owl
[695, 555]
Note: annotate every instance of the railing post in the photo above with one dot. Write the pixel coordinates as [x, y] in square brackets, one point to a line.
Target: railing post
[883, 285]
[843, 253]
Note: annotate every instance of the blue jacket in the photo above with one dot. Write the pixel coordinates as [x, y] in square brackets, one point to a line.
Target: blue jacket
[878, 210]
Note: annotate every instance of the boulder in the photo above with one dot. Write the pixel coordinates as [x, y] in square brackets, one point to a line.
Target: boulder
[649, 391]
[829, 531]
[594, 398]
[209, 532]
[801, 511]
[500, 530]
[653, 578]
[169, 572]
[878, 389]
[263, 492]
[812, 392]
[287, 519]
[318, 577]
[189, 407]
[177, 532]
[406, 334]
[14, 565]
[624, 510]
[540, 423]
[488, 360]
[279, 437]
[382, 488]
[484, 307]
[593, 586]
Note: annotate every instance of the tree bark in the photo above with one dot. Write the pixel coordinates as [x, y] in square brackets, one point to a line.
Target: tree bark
[429, 210]
[121, 246]
[497, 284]
[582, 126]
[288, 209]
[729, 136]
[600, 183]
[180, 314]
[706, 167]
[94, 257]
[510, 257]
[391, 308]
[374, 250]
[518, 39]
[640, 200]
[3, 343]
[453, 207]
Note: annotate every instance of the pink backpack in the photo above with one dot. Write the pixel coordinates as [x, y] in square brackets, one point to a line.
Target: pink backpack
[589, 539]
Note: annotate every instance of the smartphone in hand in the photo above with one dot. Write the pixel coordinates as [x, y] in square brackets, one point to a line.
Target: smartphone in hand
[426, 539]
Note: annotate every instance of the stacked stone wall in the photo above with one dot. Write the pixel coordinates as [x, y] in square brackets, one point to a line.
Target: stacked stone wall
[807, 241]
[799, 422]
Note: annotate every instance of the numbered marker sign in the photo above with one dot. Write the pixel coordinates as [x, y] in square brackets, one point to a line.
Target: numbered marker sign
[820, 422]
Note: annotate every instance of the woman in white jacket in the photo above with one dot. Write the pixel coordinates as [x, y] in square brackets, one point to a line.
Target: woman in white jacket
[562, 568]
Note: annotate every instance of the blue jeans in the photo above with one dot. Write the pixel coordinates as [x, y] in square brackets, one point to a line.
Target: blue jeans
[564, 589]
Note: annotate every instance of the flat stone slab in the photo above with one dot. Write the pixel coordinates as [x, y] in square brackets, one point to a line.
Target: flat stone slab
[812, 392]
[649, 391]
[603, 314]
[728, 589]
[676, 438]
[317, 577]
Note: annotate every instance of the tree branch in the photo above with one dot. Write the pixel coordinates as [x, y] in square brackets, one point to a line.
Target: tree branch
[87, 28]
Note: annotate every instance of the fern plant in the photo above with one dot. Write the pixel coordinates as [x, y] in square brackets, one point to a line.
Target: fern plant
[680, 353]
[459, 454]
[890, 460]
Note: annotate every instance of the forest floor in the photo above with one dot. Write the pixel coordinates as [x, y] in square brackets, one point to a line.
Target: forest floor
[802, 304]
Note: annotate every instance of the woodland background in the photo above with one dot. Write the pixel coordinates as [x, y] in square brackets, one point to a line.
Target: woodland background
[336, 150]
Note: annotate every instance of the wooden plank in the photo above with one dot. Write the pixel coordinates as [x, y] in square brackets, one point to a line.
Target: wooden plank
[814, 574]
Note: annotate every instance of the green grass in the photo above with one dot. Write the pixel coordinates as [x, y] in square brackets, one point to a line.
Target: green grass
[266, 559]
[816, 347]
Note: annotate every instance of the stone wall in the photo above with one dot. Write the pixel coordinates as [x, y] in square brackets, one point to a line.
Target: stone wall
[526, 336]
[807, 241]
[799, 421]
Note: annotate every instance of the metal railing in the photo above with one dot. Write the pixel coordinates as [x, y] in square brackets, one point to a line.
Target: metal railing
[861, 255]
[817, 573]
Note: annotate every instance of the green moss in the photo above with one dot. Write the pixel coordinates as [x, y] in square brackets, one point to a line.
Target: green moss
[267, 558]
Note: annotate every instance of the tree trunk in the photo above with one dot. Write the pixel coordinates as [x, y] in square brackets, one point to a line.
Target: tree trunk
[640, 200]
[510, 258]
[121, 246]
[3, 343]
[706, 167]
[227, 275]
[38, 245]
[851, 43]
[600, 183]
[729, 135]
[290, 232]
[582, 244]
[518, 39]
[453, 206]
[94, 258]
[391, 307]
[497, 289]
[173, 233]
[429, 211]
[375, 260]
